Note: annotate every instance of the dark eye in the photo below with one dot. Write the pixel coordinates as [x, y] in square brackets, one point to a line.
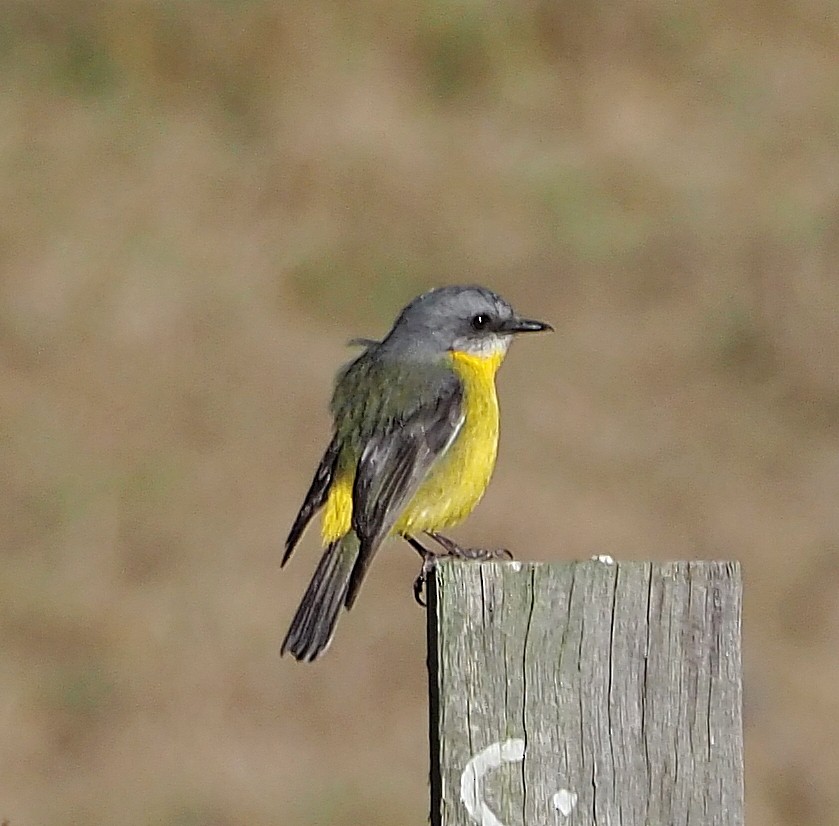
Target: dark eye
[480, 321]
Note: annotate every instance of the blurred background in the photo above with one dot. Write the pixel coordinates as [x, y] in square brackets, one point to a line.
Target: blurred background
[203, 201]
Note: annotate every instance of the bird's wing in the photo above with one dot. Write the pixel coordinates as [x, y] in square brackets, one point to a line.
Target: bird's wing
[318, 491]
[392, 466]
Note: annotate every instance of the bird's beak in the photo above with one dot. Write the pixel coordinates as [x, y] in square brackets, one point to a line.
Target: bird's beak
[524, 325]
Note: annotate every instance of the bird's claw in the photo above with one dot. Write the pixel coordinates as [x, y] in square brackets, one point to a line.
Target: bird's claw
[483, 554]
[477, 554]
[452, 549]
[428, 563]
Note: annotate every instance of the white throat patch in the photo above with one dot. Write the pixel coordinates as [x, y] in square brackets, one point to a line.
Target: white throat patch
[485, 347]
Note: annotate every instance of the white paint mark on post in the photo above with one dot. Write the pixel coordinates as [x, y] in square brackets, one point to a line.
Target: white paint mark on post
[565, 801]
[603, 558]
[471, 781]
[516, 566]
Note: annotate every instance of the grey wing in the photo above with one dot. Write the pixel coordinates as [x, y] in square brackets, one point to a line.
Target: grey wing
[393, 464]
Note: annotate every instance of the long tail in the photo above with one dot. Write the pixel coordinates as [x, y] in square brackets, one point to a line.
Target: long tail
[314, 622]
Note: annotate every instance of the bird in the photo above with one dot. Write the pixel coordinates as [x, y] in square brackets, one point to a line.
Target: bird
[413, 447]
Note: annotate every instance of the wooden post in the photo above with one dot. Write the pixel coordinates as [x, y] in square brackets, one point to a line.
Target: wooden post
[586, 694]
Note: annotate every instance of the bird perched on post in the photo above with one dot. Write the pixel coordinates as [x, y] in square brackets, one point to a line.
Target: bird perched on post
[413, 447]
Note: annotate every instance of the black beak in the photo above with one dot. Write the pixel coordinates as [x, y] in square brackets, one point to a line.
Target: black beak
[524, 325]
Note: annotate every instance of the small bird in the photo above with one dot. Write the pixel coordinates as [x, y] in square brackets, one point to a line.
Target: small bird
[414, 443]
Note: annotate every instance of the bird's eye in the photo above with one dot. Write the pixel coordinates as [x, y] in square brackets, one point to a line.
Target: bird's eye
[480, 321]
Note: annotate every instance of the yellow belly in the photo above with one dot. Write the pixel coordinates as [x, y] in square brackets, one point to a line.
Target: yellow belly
[458, 480]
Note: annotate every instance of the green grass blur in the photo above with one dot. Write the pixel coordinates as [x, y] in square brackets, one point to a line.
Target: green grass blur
[204, 200]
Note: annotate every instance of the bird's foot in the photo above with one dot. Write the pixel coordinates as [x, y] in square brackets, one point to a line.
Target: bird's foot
[421, 582]
[478, 554]
[429, 559]
[452, 549]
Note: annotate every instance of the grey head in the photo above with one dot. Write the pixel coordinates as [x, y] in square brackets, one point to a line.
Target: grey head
[469, 319]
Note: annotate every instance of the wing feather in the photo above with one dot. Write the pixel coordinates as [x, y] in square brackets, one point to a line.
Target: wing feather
[315, 498]
[393, 464]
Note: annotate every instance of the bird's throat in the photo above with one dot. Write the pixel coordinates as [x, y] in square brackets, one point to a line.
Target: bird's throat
[472, 367]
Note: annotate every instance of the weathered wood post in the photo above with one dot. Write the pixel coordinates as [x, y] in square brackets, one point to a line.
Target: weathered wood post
[586, 694]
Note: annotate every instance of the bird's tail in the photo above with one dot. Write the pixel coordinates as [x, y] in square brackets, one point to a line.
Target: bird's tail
[314, 622]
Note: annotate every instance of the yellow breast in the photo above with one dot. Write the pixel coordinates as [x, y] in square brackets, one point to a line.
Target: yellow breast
[458, 480]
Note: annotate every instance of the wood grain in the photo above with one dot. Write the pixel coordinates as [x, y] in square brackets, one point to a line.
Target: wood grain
[585, 694]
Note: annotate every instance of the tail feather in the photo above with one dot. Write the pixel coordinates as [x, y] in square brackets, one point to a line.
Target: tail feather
[314, 622]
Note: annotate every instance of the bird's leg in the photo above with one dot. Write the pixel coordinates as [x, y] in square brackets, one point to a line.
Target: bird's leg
[450, 548]
[429, 558]
[481, 554]
[417, 546]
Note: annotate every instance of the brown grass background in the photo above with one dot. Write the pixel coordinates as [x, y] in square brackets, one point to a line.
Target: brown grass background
[202, 201]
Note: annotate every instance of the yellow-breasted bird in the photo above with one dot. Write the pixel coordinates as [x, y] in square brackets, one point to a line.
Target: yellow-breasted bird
[414, 444]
